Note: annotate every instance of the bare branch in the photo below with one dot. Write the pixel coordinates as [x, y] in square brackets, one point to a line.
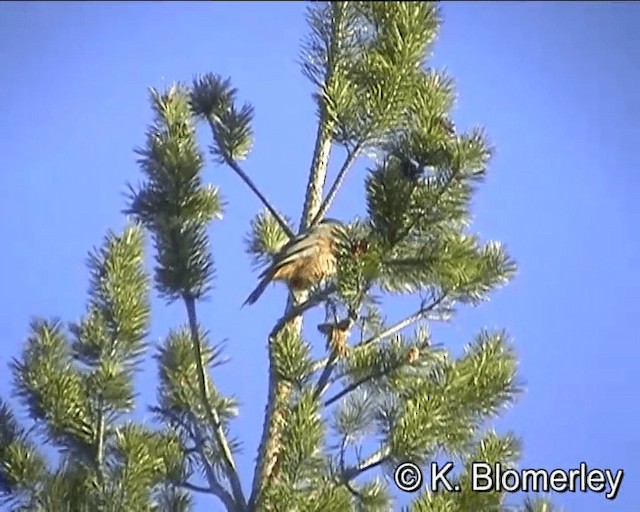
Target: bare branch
[346, 483]
[193, 430]
[244, 177]
[299, 309]
[356, 384]
[352, 155]
[212, 415]
[317, 365]
[402, 324]
[279, 219]
[323, 381]
[374, 460]
[422, 313]
[318, 173]
[195, 488]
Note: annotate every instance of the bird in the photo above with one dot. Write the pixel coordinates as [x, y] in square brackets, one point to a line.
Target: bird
[304, 261]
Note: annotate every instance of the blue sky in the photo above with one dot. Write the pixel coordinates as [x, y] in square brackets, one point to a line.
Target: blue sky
[556, 86]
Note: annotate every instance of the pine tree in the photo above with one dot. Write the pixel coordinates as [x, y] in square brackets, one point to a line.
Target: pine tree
[76, 386]
[382, 395]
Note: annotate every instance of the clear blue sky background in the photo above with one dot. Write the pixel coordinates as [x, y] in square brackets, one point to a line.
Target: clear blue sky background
[556, 86]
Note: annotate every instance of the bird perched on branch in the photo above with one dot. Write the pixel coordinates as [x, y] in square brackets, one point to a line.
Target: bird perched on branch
[305, 260]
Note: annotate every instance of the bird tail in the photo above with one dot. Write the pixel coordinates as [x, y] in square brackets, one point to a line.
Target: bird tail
[259, 290]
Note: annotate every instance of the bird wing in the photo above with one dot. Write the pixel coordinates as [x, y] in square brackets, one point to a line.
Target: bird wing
[302, 246]
[301, 249]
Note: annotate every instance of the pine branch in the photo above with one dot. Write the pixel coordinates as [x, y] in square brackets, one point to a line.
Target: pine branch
[374, 460]
[292, 312]
[402, 324]
[324, 378]
[390, 331]
[313, 198]
[215, 486]
[193, 430]
[333, 191]
[318, 173]
[203, 490]
[249, 182]
[355, 385]
[213, 417]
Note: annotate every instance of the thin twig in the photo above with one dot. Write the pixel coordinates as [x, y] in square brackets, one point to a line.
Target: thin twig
[323, 380]
[301, 308]
[195, 433]
[346, 483]
[265, 201]
[375, 339]
[212, 480]
[418, 315]
[212, 415]
[174, 420]
[320, 363]
[352, 155]
[195, 488]
[356, 384]
[244, 177]
[374, 460]
[326, 374]
[406, 322]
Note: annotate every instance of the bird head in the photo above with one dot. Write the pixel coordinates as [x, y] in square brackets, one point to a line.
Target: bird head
[329, 221]
[336, 229]
[330, 225]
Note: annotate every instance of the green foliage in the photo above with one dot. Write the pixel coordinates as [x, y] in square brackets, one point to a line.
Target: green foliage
[265, 238]
[491, 448]
[541, 504]
[292, 356]
[176, 207]
[282, 497]
[20, 461]
[177, 371]
[75, 386]
[335, 424]
[179, 402]
[303, 435]
[173, 203]
[365, 59]
[214, 99]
